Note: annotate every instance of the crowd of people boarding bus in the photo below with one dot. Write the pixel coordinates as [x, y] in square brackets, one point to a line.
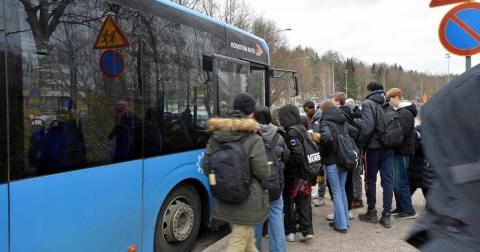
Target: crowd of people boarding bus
[262, 166]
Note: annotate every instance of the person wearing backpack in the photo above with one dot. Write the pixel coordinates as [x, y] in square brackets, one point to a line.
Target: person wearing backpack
[314, 115]
[354, 119]
[235, 162]
[277, 153]
[378, 156]
[338, 150]
[403, 154]
[298, 187]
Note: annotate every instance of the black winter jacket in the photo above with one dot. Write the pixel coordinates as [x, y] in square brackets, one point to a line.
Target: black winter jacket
[408, 112]
[420, 173]
[368, 136]
[352, 121]
[332, 121]
[289, 118]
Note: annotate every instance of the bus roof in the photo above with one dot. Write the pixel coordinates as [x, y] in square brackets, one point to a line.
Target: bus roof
[240, 44]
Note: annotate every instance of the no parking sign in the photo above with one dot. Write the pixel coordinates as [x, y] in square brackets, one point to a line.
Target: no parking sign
[459, 30]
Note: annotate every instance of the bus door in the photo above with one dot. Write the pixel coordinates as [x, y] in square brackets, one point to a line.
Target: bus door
[233, 77]
[3, 142]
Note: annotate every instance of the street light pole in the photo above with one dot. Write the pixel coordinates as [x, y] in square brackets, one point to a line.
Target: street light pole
[334, 58]
[447, 55]
[346, 82]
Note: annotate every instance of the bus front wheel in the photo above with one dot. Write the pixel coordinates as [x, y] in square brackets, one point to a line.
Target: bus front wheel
[179, 220]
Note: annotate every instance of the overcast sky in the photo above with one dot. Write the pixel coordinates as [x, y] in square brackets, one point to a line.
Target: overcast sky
[392, 31]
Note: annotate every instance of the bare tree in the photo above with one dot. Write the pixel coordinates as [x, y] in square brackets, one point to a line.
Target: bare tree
[43, 18]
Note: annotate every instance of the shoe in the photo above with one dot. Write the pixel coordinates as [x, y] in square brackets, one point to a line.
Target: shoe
[331, 224]
[395, 212]
[369, 216]
[385, 221]
[306, 238]
[341, 231]
[350, 215]
[406, 216]
[291, 237]
[330, 217]
[319, 202]
[357, 204]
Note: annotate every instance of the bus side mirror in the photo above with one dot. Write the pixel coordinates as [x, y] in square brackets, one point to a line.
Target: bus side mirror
[293, 85]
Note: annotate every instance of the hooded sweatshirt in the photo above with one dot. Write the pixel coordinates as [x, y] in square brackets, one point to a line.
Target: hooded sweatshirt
[289, 118]
[368, 136]
[408, 112]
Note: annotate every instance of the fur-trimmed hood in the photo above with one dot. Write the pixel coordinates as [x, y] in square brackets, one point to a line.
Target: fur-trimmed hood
[232, 125]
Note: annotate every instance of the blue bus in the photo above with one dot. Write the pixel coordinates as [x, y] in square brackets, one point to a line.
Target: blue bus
[103, 119]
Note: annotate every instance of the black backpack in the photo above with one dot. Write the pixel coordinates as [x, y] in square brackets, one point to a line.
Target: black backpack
[347, 153]
[388, 126]
[231, 167]
[275, 182]
[313, 160]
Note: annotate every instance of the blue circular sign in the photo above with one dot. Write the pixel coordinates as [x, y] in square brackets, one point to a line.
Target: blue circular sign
[460, 30]
[112, 64]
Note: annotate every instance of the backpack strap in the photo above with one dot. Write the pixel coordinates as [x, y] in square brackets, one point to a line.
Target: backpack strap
[275, 140]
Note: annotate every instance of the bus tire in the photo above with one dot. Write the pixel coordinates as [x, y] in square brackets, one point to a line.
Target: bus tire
[179, 220]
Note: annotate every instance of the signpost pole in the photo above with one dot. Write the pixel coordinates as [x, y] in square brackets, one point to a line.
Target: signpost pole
[468, 61]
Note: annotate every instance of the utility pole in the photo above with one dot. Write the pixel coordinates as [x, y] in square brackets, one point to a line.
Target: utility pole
[346, 82]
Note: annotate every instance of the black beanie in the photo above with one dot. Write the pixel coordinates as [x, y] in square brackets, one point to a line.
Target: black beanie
[245, 103]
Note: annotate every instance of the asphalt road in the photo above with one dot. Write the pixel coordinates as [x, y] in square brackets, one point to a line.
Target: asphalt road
[361, 236]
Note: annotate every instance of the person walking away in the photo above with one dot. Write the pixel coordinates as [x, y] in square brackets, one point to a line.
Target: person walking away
[401, 186]
[354, 119]
[378, 156]
[235, 151]
[277, 149]
[451, 136]
[331, 125]
[315, 115]
[420, 172]
[298, 188]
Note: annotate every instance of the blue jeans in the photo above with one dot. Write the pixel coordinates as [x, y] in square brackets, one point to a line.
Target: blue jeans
[337, 180]
[401, 187]
[276, 232]
[379, 160]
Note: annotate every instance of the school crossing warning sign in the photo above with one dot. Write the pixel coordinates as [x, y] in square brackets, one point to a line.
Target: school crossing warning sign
[110, 36]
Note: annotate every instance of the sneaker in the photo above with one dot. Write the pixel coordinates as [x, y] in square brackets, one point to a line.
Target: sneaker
[385, 221]
[319, 202]
[306, 238]
[331, 216]
[406, 216]
[291, 237]
[369, 216]
[357, 204]
[341, 231]
[395, 212]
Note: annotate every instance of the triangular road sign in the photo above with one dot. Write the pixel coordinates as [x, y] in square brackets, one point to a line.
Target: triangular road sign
[110, 36]
[436, 3]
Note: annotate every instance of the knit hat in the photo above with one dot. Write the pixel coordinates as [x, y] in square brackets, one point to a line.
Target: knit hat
[245, 103]
[350, 103]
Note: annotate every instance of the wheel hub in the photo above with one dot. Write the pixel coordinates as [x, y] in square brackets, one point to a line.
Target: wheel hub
[178, 221]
